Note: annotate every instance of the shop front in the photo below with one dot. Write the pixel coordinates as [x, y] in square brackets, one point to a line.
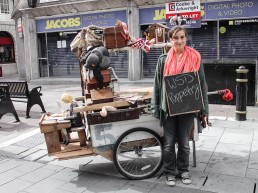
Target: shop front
[56, 34]
[227, 39]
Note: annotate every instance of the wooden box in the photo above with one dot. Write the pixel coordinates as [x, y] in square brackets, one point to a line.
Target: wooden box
[157, 31]
[106, 77]
[119, 115]
[101, 95]
[114, 37]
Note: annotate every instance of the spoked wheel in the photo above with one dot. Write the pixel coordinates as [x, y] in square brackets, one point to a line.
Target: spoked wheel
[138, 153]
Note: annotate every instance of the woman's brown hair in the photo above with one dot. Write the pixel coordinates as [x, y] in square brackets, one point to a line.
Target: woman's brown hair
[176, 29]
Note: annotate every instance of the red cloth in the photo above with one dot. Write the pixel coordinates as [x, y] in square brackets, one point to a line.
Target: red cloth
[228, 96]
[189, 60]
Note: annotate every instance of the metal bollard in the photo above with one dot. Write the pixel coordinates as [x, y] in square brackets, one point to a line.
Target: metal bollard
[241, 93]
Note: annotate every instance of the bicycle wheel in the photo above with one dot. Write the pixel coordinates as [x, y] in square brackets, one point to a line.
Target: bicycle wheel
[138, 153]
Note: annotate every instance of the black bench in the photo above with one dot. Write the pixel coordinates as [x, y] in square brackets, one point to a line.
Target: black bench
[6, 104]
[19, 89]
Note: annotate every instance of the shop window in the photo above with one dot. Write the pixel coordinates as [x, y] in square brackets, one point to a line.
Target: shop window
[6, 48]
[4, 4]
[239, 38]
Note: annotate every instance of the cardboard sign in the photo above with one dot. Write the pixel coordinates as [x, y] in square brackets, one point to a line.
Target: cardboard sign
[183, 92]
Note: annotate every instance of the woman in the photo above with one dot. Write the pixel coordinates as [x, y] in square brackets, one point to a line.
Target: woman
[180, 59]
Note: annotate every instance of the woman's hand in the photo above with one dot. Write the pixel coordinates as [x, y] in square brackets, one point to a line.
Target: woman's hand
[204, 121]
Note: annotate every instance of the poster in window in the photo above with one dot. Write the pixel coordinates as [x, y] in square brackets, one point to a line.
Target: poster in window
[63, 43]
[183, 92]
[59, 44]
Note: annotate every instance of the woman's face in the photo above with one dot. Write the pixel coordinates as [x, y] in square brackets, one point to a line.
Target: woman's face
[179, 40]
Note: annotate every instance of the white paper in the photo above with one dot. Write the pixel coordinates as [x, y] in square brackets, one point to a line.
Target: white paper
[63, 43]
[59, 44]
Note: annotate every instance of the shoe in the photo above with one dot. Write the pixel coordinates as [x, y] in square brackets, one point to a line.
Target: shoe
[186, 179]
[170, 180]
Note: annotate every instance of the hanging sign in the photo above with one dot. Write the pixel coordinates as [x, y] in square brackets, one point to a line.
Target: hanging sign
[185, 13]
[186, 9]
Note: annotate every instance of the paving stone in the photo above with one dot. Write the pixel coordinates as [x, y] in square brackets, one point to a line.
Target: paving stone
[226, 124]
[248, 125]
[232, 150]
[226, 165]
[256, 133]
[36, 155]
[228, 184]
[15, 186]
[239, 132]
[255, 142]
[9, 176]
[101, 165]
[28, 152]
[42, 146]
[163, 188]
[187, 190]
[12, 151]
[45, 186]
[112, 183]
[3, 159]
[67, 174]
[207, 143]
[202, 156]
[215, 118]
[252, 173]
[77, 163]
[200, 167]
[212, 131]
[141, 184]
[46, 159]
[85, 181]
[253, 160]
[53, 167]
[237, 136]
[37, 175]
[10, 164]
[126, 189]
[60, 191]
[28, 166]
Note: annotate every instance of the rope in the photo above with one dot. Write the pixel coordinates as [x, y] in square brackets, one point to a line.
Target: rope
[115, 36]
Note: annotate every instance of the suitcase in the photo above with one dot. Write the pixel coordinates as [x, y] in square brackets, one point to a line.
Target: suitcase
[114, 37]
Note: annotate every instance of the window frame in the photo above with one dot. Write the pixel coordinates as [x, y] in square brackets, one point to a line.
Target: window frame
[4, 7]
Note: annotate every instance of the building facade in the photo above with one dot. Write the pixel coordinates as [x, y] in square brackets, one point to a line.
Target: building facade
[8, 55]
[226, 38]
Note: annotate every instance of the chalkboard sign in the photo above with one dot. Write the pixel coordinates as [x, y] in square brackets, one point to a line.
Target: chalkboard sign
[183, 92]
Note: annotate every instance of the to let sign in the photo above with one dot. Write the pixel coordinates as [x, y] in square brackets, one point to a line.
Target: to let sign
[186, 9]
[183, 93]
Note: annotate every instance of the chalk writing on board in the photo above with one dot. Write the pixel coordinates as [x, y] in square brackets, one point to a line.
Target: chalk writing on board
[183, 93]
[182, 80]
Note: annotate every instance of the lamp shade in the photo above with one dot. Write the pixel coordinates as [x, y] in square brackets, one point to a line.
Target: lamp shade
[33, 3]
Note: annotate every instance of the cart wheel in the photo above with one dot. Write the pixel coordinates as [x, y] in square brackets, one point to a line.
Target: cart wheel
[138, 153]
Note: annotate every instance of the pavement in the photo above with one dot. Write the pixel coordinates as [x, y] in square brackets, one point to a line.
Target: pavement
[227, 154]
